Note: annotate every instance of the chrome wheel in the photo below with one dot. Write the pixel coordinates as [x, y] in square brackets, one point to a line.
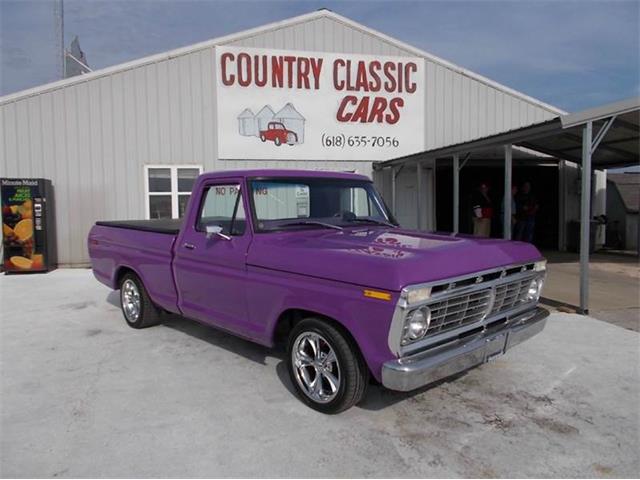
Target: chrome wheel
[315, 367]
[130, 299]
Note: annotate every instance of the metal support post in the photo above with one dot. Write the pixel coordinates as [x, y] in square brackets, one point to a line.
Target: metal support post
[601, 133]
[393, 191]
[456, 193]
[585, 217]
[506, 224]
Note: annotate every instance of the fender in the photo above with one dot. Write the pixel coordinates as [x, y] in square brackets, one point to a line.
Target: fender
[366, 319]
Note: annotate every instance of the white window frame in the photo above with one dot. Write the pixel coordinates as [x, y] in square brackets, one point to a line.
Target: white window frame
[174, 187]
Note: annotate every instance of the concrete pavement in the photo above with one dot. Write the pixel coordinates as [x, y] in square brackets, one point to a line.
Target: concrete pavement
[83, 395]
[614, 285]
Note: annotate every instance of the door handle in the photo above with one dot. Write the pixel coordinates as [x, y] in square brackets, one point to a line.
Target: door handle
[189, 246]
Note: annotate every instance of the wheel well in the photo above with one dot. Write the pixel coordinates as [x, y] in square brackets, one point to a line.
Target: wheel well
[121, 272]
[289, 318]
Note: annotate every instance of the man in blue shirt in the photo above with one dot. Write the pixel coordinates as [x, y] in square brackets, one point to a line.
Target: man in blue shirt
[527, 207]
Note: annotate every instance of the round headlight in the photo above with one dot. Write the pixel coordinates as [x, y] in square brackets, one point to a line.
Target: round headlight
[417, 324]
[534, 289]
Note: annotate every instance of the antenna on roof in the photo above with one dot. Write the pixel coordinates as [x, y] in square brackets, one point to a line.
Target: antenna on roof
[75, 60]
[58, 18]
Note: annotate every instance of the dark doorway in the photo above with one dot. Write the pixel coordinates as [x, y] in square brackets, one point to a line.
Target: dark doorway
[544, 182]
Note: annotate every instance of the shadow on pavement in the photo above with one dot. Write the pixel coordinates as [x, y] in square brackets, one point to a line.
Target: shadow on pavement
[212, 335]
[377, 397]
[283, 375]
[218, 338]
[114, 298]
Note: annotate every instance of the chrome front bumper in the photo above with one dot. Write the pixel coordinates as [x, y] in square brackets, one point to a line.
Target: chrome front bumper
[423, 368]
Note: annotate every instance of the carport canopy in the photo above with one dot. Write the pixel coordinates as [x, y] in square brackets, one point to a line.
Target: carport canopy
[599, 138]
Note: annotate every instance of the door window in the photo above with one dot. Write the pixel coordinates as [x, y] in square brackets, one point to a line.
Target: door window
[222, 206]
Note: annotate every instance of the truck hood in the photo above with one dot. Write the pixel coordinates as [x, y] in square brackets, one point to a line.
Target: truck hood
[384, 258]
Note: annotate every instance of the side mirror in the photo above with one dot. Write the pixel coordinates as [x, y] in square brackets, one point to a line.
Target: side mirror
[216, 230]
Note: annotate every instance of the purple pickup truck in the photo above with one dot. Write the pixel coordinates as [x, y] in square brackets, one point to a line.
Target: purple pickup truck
[316, 261]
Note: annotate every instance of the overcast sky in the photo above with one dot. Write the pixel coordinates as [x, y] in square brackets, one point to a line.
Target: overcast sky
[572, 54]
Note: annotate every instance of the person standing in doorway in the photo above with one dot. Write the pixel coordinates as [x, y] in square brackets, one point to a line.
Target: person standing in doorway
[482, 211]
[527, 208]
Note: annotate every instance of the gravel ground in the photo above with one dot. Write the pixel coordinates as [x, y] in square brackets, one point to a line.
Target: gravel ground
[83, 395]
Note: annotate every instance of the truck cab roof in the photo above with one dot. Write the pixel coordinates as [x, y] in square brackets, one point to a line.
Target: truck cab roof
[270, 173]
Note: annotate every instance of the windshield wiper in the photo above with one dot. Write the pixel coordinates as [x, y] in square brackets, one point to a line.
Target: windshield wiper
[373, 220]
[310, 222]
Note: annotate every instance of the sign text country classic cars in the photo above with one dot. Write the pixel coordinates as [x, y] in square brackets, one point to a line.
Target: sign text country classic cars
[298, 105]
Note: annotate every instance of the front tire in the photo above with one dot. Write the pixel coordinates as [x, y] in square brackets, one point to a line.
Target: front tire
[325, 367]
[137, 308]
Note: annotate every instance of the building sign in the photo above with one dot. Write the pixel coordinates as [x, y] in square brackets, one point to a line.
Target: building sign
[277, 104]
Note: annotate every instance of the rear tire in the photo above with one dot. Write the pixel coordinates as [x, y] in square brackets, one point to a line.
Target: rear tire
[325, 367]
[137, 308]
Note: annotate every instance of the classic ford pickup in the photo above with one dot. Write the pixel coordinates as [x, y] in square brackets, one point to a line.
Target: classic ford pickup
[315, 260]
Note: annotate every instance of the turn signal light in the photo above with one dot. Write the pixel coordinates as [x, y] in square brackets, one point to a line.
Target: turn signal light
[377, 294]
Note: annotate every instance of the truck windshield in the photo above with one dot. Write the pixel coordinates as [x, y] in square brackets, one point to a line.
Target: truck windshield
[305, 203]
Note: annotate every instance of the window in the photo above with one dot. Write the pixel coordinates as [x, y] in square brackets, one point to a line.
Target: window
[168, 189]
[284, 203]
[275, 200]
[222, 207]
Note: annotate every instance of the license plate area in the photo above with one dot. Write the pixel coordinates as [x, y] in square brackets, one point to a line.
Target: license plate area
[494, 347]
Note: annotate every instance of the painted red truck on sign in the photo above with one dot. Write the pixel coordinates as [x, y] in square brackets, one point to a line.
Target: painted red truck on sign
[277, 133]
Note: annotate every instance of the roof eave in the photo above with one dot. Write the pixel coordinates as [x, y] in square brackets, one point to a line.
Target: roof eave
[603, 111]
[510, 136]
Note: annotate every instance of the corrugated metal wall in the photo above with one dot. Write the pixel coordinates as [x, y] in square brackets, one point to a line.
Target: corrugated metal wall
[92, 137]
[322, 34]
[459, 108]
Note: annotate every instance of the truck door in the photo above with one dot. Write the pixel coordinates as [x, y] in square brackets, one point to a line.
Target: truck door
[210, 269]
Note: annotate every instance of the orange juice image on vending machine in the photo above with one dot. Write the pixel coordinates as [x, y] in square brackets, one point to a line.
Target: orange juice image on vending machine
[28, 226]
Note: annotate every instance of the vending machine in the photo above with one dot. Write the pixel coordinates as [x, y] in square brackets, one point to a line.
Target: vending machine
[28, 225]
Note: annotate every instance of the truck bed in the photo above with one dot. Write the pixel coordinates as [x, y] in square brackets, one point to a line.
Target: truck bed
[163, 225]
[144, 246]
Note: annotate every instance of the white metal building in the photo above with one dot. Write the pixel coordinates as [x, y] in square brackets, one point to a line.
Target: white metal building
[125, 142]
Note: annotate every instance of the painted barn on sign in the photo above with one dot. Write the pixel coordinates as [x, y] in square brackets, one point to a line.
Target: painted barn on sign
[292, 120]
[247, 123]
[263, 117]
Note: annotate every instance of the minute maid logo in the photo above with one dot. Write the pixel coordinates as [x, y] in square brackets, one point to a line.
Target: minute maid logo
[19, 182]
[284, 127]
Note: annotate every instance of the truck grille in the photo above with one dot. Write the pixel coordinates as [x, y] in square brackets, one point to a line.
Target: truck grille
[458, 311]
[510, 295]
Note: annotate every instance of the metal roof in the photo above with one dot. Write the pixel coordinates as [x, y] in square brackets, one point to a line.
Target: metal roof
[628, 105]
[411, 50]
[561, 138]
